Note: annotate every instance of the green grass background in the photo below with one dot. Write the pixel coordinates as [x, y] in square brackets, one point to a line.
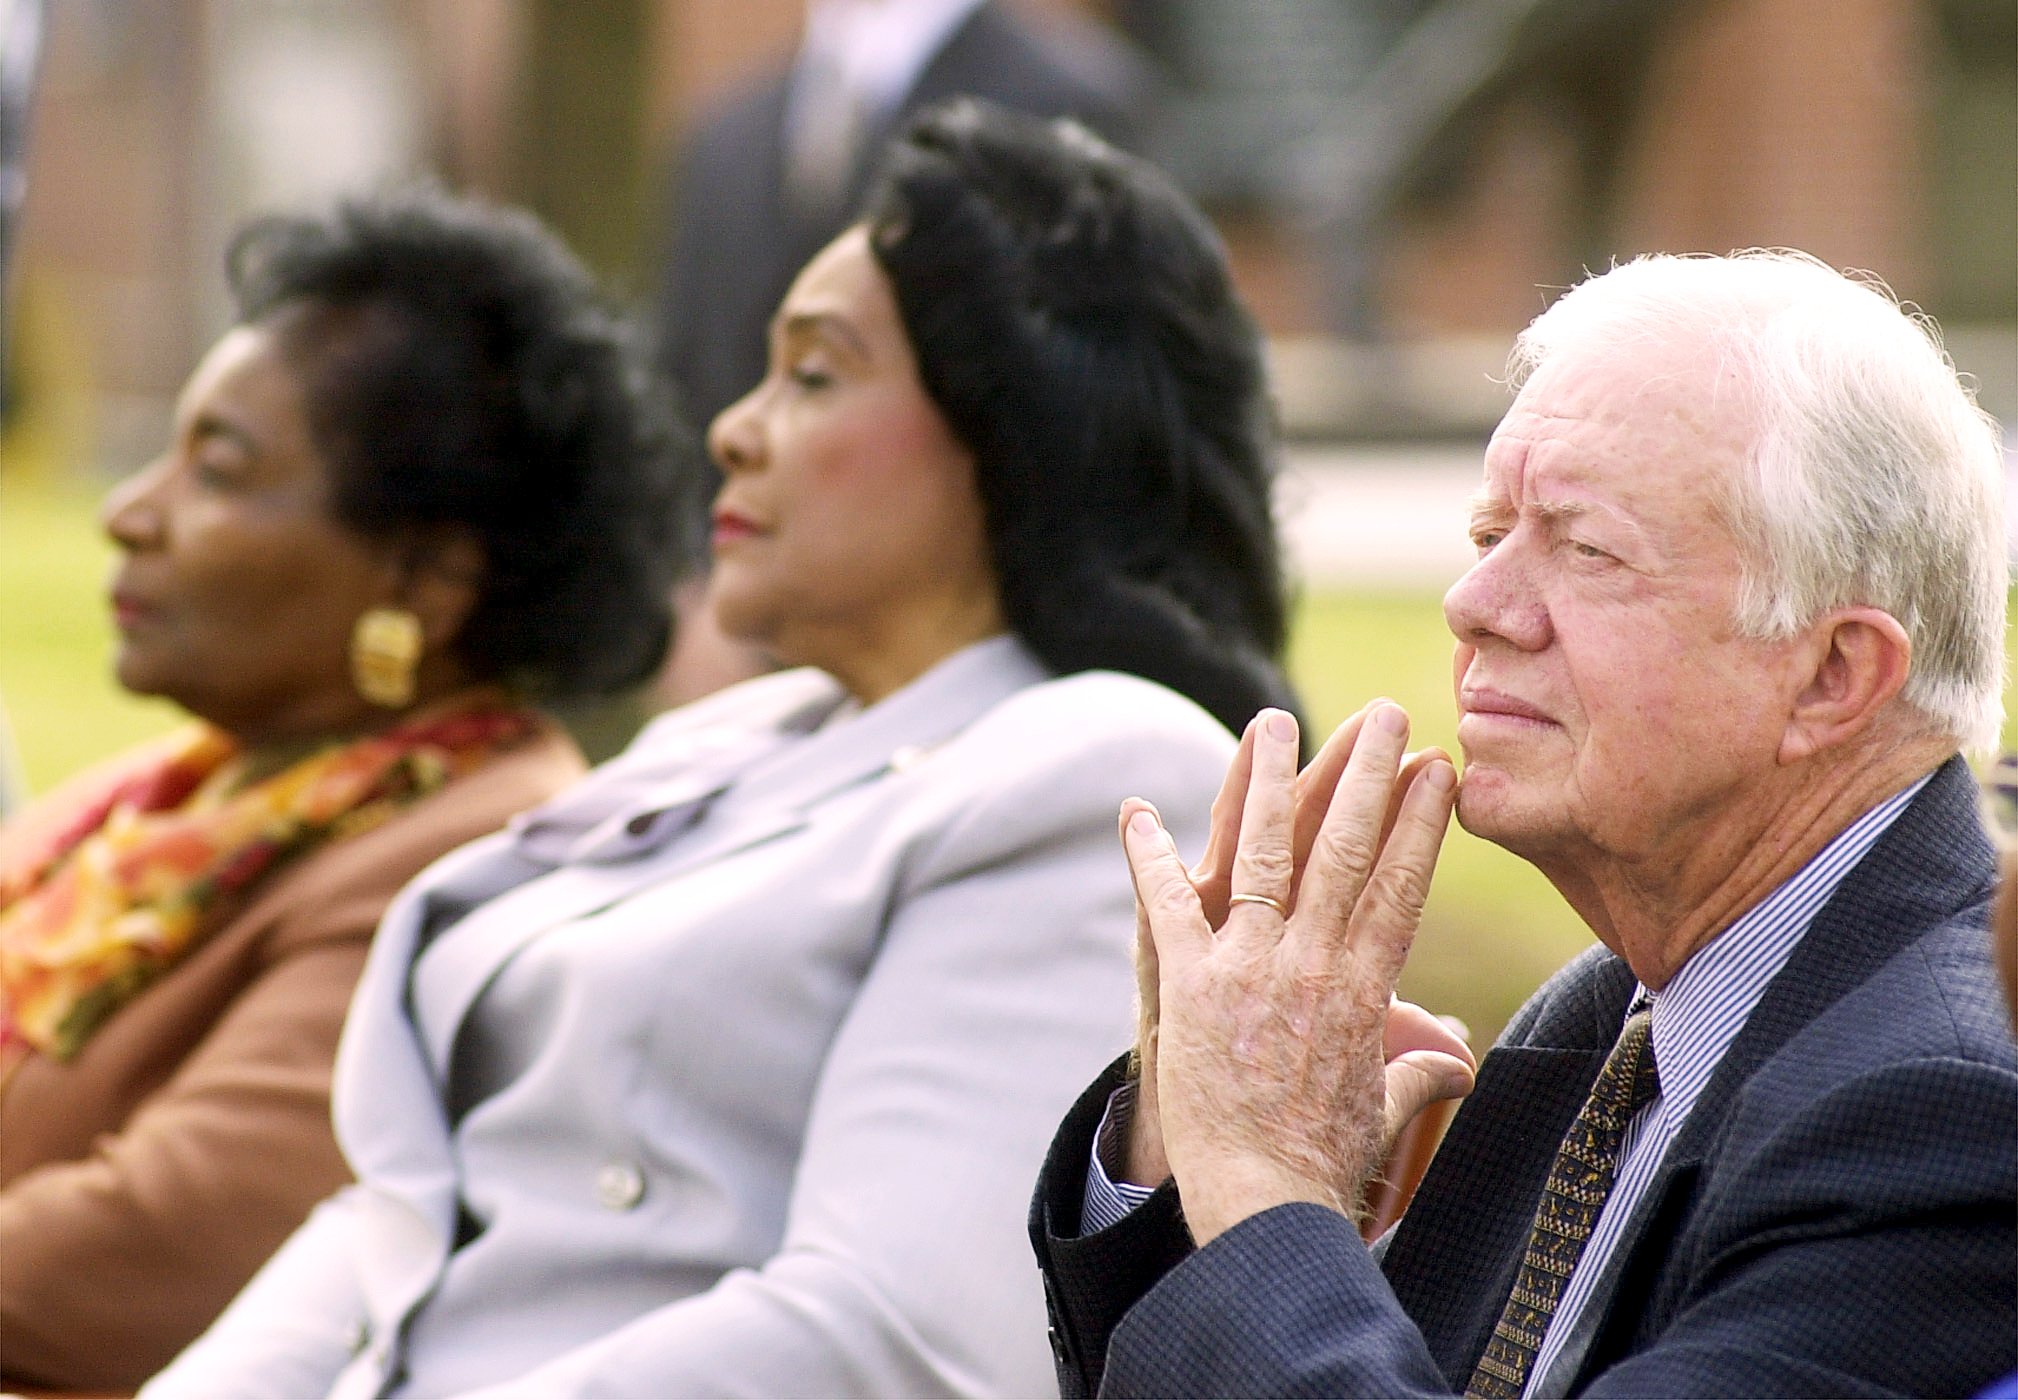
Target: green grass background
[1493, 929]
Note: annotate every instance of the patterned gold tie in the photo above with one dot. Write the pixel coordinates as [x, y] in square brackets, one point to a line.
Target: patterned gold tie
[1579, 1180]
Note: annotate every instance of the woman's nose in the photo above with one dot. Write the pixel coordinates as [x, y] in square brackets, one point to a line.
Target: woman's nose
[131, 511]
[735, 439]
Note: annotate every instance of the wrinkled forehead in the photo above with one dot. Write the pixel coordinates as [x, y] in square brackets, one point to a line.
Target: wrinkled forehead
[1668, 424]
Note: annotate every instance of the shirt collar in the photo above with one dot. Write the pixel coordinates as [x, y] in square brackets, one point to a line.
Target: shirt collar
[881, 46]
[1706, 1003]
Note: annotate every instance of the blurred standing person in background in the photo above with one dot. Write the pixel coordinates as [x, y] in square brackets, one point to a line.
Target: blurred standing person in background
[422, 483]
[775, 172]
[727, 1072]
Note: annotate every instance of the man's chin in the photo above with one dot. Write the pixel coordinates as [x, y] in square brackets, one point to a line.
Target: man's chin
[1495, 808]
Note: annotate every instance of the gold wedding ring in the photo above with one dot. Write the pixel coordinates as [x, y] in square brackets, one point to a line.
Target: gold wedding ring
[1274, 904]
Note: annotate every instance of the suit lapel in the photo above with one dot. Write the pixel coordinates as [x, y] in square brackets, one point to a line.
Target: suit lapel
[1451, 1260]
[384, 1101]
[971, 58]
[388, 1088]
[594, 845]
[705, 806]
[1917, 875]
[387, 1092]
[744, 794]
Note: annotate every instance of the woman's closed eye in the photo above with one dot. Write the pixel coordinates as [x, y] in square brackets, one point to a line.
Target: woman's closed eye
[219, 471]
[220, 455]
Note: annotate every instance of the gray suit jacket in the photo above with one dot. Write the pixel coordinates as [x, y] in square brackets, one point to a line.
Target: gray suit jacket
[726, 1073]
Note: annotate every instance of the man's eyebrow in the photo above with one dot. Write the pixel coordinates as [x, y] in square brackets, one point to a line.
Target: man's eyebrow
[1486, 505]
[827, 323]
[1619, 525]
[1554, 511]
[1489, 505]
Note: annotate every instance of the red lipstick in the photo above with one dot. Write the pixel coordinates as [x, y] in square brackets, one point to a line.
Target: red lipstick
[731, 526]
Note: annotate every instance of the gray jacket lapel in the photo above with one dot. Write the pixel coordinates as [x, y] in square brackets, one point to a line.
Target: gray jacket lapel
[578, 854]
[688, 806]
[594, 845]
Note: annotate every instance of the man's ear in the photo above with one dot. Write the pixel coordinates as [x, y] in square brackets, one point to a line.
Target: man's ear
[441, 581]
[1859, 660]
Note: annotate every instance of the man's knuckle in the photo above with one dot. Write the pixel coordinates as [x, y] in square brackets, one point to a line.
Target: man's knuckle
[1270, 862]
[1401, 889]
[1346, 847]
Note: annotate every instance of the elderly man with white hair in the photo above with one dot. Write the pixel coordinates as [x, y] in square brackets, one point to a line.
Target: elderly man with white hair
[1738, 606]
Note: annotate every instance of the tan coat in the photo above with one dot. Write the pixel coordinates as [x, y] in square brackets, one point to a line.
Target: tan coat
[144, 1182]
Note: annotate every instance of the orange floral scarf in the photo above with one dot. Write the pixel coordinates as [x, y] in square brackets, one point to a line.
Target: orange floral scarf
[105, 893]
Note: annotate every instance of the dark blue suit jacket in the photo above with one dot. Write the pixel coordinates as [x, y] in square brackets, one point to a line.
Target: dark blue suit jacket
[1839, 1215]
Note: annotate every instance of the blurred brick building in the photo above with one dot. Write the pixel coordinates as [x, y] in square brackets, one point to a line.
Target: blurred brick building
[1874, 133]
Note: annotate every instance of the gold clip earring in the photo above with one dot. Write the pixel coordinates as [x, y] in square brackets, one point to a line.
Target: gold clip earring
[385, 651]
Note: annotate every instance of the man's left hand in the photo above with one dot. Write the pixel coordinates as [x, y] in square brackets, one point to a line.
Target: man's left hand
[1285, 1067]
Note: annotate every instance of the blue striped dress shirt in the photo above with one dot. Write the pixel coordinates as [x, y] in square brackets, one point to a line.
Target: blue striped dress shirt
[1696, 1016]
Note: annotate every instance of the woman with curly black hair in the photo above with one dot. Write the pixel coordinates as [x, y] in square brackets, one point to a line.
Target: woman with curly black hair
[421, 485]
[473, 384]
[729, 1071]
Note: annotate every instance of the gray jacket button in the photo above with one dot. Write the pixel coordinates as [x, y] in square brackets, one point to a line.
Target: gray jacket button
[620, 1185]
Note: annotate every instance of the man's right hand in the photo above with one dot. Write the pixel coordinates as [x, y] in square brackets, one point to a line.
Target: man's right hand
[1212, 879]
[1409, 1029]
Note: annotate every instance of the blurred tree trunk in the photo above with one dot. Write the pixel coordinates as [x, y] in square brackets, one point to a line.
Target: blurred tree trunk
[581, 162]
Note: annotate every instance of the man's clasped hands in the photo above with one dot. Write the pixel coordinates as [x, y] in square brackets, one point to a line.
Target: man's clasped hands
[1276, 1062]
